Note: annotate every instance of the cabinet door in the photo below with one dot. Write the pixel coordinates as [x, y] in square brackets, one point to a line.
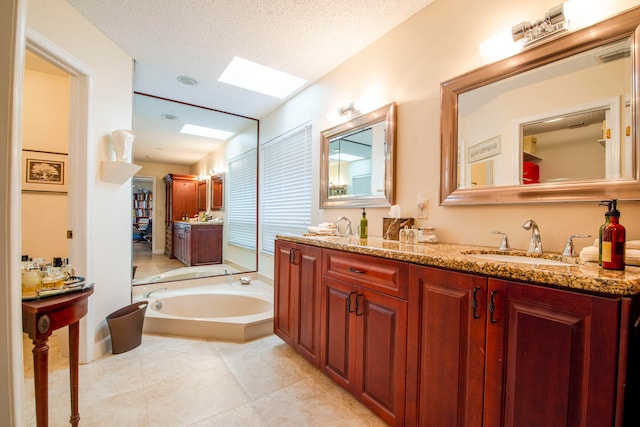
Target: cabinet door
[187, 245]
[339, 330]
[284, 281]
[185, 198]
[382, 358]
[551, 357]
[206, 241]
[447, 348]
[308, 293]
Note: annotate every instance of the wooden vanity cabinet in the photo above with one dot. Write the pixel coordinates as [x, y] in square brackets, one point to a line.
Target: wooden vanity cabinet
[298, 270]
[181, 199]
[552, 357]
[424, 346]
[446, 348]
[364, 327]
[489, 352]
[197, 244]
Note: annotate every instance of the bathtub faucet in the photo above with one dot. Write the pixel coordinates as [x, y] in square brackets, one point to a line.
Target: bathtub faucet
[230, 277]
[148, 294]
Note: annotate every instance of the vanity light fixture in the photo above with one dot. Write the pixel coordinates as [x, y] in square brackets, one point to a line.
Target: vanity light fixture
[554, 23]
[349, 111]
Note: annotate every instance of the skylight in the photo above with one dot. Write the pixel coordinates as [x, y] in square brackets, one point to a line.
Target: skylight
[205, 131]
[259, 78]
[344, 157]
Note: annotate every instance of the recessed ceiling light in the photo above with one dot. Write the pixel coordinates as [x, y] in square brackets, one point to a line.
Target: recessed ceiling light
[169, 116]
[259, 78]
[189, 81]
[205, 131]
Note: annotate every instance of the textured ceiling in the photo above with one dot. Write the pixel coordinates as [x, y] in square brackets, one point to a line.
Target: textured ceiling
[198, 38]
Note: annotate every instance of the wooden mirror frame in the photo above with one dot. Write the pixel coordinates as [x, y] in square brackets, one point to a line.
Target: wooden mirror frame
[388, 115]
[217, 186]
[624, 25]
[202, 196]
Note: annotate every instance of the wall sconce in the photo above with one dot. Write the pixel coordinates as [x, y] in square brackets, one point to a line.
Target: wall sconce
[554, 23]
[345, 113]
[350, 111]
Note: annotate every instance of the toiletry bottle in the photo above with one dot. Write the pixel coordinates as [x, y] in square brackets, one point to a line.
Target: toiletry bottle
[613, 241]
[609, 204]
[363, 225]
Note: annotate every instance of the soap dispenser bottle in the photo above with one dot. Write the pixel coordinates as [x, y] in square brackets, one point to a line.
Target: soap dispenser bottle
[609, 204]
[363, 225]
[613, 241]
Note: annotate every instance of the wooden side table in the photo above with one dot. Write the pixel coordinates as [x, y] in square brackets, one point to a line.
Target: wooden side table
[39, 319]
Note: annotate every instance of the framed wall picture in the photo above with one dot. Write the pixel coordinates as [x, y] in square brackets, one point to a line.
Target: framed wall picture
[44, 171]
[484, 149]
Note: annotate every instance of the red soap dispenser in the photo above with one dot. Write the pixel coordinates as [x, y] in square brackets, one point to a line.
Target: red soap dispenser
[613, 241]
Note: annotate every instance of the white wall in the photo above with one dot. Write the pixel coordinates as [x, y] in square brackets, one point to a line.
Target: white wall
[407, 66]
[12, 14]
[45, 127]
[108, 206]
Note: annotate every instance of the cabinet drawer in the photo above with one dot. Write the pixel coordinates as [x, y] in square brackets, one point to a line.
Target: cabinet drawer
[383, 275]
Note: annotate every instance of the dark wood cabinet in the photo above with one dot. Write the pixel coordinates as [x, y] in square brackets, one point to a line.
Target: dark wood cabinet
[181, 200]
[424, 346]
[297, 297]
[199, 244]
[446, 348]
[498, 353]
[552, 357]
[365, 331]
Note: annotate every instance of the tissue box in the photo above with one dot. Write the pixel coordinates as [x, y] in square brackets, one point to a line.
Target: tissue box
[391, 227]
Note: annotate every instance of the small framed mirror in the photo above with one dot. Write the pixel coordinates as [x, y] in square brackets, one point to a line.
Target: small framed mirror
[216, 193]
[358, 161]
[202, 196]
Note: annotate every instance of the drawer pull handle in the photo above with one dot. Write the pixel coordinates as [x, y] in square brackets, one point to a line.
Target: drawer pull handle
[349, 303]
[293, 259]
[358, 305]
[474, 302]
[355, 270]
[492, 306]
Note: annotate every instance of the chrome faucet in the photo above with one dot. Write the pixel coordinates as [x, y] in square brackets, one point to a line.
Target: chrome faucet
[504, 244]
[229, 277]
[569, 248]
[148, 294]
[535, 246]
[347, 230]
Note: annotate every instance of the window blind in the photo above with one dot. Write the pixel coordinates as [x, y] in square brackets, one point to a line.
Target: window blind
[285, 195]
[242, 200]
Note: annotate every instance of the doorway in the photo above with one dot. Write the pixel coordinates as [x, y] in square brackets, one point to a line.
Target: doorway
[45, 159]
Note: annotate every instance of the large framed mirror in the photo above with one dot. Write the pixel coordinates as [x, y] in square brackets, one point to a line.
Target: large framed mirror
[165, 149]
[358, 161]
[554, 123]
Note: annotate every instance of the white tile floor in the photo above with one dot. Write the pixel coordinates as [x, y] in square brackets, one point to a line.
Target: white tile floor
[170, 381]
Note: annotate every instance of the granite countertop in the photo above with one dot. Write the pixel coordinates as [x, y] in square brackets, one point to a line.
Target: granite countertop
[213, 222]
[587, 276]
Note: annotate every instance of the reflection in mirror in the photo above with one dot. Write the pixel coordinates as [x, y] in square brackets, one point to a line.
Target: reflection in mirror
[358, 161]
[217, 193]
[229, 228]
[562, 114]
[353, 161]
[202, 196]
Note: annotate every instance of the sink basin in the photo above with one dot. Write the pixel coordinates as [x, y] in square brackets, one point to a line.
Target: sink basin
[520, 259]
